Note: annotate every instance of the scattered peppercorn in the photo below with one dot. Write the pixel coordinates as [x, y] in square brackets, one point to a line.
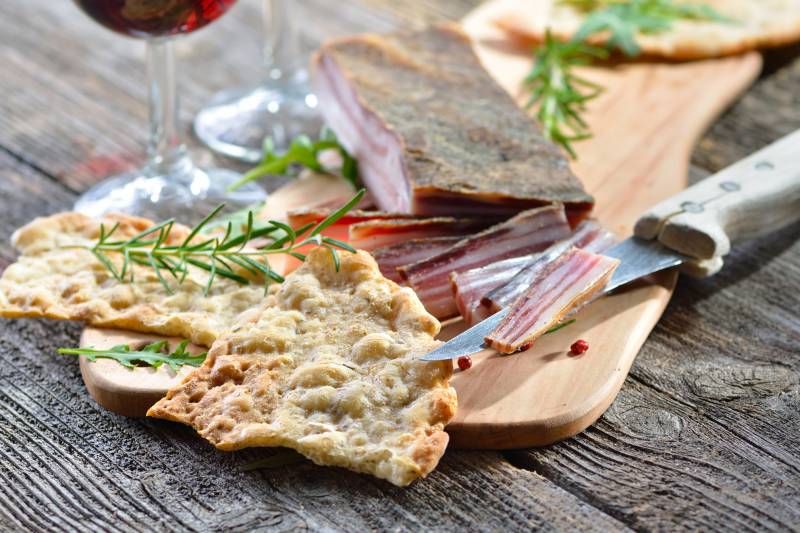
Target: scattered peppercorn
[579, 346]
[464, 362]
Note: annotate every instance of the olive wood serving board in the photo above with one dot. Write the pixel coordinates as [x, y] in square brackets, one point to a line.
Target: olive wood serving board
[645, 124]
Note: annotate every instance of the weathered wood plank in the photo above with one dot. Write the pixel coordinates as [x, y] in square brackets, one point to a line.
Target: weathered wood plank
[704, 434]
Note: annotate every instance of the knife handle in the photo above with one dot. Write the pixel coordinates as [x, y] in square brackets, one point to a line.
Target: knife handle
[758, 195]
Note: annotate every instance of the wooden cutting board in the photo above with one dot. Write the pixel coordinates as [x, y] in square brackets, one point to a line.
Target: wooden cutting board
[645, 125]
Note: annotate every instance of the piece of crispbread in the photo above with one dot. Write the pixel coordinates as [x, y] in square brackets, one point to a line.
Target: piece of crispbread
[329, 368]
[756, 24]
[54, 279]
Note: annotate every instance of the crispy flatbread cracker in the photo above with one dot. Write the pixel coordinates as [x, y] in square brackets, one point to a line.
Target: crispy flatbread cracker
[51, 280]
[328, 368]
[758, 23]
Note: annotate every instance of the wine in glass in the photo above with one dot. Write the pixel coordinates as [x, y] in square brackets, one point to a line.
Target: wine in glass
[169, 184]
[236, 121]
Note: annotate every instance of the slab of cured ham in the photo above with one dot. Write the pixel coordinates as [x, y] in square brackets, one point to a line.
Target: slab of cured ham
[433, 132]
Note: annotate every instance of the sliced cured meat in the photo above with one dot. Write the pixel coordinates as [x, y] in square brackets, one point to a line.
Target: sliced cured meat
[589, 236]
[470, 286]
[379, 233]
[433, 133]
[393, 257]
[528, 232]
[341, 228]
[567, 284]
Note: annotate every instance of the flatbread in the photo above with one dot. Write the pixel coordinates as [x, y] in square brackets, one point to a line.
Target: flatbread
[51, 280]
[759, 23]
[327, 367]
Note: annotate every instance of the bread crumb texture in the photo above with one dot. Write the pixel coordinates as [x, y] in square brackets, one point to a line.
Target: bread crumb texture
[55, 278]
[754, 24]
[327, 366]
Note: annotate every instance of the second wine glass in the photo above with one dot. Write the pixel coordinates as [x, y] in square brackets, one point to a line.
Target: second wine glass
[236, 121]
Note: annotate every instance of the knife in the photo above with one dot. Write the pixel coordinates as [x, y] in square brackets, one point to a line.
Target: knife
[692, 230]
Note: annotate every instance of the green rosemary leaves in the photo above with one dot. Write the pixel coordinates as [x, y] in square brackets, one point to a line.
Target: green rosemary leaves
[561, 96]
[226, 255]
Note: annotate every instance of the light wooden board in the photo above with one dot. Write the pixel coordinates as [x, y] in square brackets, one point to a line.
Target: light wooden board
[645, 124]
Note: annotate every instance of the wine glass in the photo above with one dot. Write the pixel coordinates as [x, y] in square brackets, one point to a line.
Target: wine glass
[169, 184]
[236, 121]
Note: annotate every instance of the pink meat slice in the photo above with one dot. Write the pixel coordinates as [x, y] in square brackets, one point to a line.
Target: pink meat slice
[589, 236]
[393, 257]
[528, 232]
[470, 286]
[566, 285]
[380, 233]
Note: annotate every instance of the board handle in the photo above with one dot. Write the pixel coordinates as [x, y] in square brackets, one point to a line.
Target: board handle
[756, 196]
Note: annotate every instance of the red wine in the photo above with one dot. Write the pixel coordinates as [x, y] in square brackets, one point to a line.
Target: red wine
[154, 18]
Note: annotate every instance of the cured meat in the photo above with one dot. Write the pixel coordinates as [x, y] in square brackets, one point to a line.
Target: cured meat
[341, 228]
[564, 286]
[392, 257]
[379, 233]
[589, 236]
[528, 232]
[433, 133]
[470, 286]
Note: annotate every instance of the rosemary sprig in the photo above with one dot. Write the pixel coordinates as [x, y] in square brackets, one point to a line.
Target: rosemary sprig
[302, 152]
[154, 354]
[218, 255]
[560, 95]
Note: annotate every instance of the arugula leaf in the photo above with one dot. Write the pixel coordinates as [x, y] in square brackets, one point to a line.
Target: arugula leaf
[154, 355]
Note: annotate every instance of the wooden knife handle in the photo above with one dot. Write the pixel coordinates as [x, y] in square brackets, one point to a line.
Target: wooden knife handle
[758, 195]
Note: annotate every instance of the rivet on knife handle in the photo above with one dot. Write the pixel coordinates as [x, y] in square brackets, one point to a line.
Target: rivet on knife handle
[758, 195]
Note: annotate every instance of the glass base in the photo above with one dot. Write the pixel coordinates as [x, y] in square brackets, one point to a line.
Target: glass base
[236, 122]
[187, 200]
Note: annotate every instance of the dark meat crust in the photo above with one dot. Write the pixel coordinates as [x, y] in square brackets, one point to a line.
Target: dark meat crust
[462, 133]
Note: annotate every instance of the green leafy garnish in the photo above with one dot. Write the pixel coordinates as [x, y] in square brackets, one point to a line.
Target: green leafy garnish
[154, 354]
[225, 255]
[560, 95]
[302, 152]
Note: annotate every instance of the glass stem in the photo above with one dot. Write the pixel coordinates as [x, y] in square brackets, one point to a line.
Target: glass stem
[282, 42]
[166, 152]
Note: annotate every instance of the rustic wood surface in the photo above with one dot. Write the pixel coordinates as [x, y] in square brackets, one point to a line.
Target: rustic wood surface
[705, 434]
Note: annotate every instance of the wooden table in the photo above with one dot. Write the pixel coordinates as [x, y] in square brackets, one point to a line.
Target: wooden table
[705, 434]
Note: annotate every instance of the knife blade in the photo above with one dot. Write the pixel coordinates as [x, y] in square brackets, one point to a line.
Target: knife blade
[638, 258]
[755, 196]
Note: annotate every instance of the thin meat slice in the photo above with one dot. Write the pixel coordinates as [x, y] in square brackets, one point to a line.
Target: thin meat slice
[433, 132]
[566, 285]
[341, 228]
[470, 286]
[393, 257]
[379, 233]
[589, 236]
[528, 232]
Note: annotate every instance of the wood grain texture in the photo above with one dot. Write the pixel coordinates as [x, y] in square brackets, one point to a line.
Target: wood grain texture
[721, 367]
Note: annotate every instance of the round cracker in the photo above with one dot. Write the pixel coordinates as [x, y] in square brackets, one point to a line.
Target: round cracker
[756, 24]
